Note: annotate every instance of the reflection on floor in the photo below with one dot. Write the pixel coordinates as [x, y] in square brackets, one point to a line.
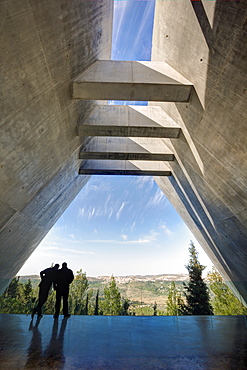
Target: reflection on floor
[127, 342]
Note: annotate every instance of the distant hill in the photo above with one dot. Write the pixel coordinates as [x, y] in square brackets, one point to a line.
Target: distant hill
[138, 289]
[127, 278]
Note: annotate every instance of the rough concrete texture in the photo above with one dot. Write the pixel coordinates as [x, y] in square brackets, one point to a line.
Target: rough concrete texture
[128, 121]
[120, 148]
[124, 80]
[122, 167]
[206, 42]
[44, 45]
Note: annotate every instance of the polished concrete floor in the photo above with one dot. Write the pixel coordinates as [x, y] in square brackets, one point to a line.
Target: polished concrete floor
[112, 342]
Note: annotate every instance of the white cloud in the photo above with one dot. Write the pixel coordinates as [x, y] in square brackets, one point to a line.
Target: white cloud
[146, 17]
[151, 236]
[81, 212]
[118, 17]
[157, 199]
[133, 226]
[120, 210]
[166, 230]
[124, 237]
[144, 181]
[48, 248]
[110, 213]
[74, 251]
[59, 228]
[72, 236]
[91, 212]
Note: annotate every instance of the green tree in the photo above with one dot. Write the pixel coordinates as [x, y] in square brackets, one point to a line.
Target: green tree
[125, 309]
[143, 310]
[28, 290]
[13, 299]
[49, 306]
[96, 309]
[224, 301]
[78, 294]
[174, 301]
[196, 291]
[111, 304]
[86, 306]
[28, 296]
[155, 309]
[12, 291]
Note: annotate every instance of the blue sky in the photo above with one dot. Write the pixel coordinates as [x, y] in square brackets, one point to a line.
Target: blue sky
[120, 225]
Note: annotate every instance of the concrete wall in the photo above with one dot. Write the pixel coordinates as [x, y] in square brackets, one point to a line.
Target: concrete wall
[44, 45]
[206, 41]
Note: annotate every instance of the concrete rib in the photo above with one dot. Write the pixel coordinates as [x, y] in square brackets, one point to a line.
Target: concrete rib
[138, 81]
[115, 148]
[134, 168]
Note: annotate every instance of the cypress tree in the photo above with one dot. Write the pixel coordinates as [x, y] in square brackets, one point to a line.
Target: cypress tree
[126, 305]
[112, 302]
[155, 309]
[196, 291]
[96, 309]
[174, 301]
[86, 306]
[13, 289]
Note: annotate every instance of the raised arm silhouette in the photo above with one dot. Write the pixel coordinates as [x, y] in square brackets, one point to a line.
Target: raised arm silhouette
[48, 276]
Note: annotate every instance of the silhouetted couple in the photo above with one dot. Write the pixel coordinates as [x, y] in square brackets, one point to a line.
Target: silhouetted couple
[61, 279]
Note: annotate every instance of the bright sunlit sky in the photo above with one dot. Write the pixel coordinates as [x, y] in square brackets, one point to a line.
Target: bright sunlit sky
[120, 225]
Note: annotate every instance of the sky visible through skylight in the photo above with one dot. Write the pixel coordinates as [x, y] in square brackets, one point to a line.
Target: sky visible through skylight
[120, 225]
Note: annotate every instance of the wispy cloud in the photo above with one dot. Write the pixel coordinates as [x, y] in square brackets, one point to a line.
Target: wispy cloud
[124, 237]
[139, 37]
[110, 213]
[166, 230]
[157, 199]
[144, 181]
[75, 251]
[142, 240]
[63, 250]
[133, 20]
[120, 210]
[151, 236]
[59, 228]
[81, 212]
[91, 212]
[133, 226]
[118, 21]
[48, 248]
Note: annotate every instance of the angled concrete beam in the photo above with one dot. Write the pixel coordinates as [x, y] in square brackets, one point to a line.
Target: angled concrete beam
[129, 121]
[115, 148]
[134, 81]
[134, 168]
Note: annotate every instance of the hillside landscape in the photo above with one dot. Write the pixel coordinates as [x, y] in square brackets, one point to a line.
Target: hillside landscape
[142, 290]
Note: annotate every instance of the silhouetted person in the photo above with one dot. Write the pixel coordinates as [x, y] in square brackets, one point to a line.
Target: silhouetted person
[64, 278]
[48, 276]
